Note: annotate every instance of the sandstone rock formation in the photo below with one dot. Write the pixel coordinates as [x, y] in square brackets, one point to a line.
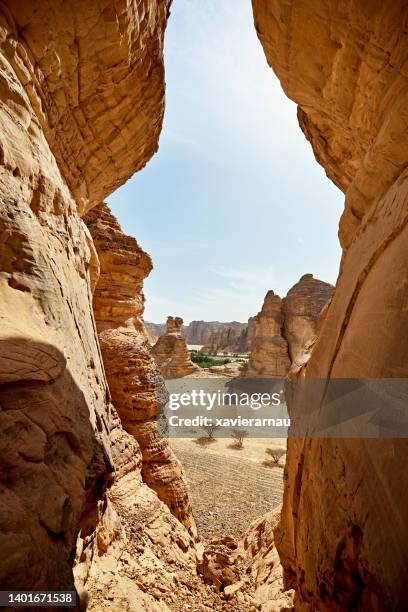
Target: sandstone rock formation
[232, 338]
[342, 539]
[284, 329]
[248, 571]
[269, 356]
[199, 332]
[136, 386]
[302, 306]
[81, 107]
[247, 336]
[171, 353]
[129, 552]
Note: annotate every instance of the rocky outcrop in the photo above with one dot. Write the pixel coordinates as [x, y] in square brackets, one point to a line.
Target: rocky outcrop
[77, 83]
[270, 355]
[137, 388]
[248, 571]
[264, 568]
[171, 353]
[81, 105]
[284, 329]
[302, 306]
[229, 339]
[342, 539]
[130, 551]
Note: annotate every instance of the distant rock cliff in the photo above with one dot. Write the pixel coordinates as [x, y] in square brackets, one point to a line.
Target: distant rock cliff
[232, 338]
[212, 334]
[199, 332]
[154, 331]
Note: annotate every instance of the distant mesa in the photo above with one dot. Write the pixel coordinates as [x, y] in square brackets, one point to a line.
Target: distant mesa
[171, 353]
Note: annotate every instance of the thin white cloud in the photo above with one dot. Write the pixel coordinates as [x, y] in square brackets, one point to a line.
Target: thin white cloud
[246, 278]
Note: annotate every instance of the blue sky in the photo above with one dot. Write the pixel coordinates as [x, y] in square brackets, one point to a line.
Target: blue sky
[233, 203]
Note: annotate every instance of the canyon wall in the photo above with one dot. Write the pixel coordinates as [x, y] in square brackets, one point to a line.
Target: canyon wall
[171, 353]
[342, 537]
[81, 108]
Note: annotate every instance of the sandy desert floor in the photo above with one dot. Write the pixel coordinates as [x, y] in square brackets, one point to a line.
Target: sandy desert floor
[229, 488]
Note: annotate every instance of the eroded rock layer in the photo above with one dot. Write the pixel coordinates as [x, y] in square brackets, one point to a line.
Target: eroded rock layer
[284, 329]
[270, 354]
[230, 339]
[95, 81]
[199, 332]
[302, 306]
[342, 538]
[135, 383]
[171, 353]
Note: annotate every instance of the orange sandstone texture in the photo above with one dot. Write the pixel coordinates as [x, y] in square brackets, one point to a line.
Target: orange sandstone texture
[269, 355]
[171, 353]
[136, 385]
[137, 551]
[342, 537]
[233, 338]
[71, 74]
[284, 328]
[302, 307]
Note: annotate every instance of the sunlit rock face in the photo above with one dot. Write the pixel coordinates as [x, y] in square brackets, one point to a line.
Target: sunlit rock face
[284, 329]
[233, 338]
[342, 537]
[171, 353]
[81, 105]
[270, 353]
[302, 306]
[136, 385]
[199, 332]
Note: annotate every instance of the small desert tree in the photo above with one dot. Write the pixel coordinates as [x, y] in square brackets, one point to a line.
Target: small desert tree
[239, 436]
[275, 455]
[210, 430]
